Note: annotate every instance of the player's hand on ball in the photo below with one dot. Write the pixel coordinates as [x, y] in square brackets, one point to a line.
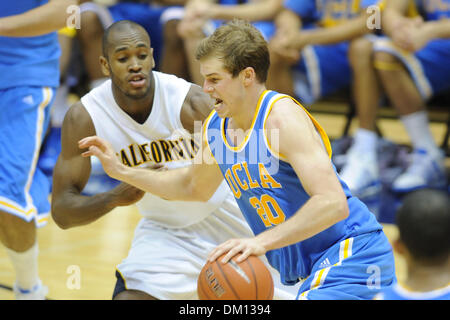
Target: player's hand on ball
[245, 246]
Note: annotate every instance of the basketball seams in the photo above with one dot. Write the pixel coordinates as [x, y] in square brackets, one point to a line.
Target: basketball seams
[237, 289]
[226, 279]
[254, 278]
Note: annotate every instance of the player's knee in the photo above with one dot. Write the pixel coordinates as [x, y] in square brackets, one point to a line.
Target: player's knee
[385, 62]
[360, 52]
[15, 233]
[133, 295]
[385, 57]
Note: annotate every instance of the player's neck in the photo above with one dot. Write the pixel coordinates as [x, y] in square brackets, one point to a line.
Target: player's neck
[243, 120]
[138, 109]
[423, 278]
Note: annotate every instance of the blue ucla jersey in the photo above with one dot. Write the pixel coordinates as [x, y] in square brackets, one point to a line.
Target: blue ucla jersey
[398, 292]
[28, 61]
[328, 12]
[268, 191]
[434, 9]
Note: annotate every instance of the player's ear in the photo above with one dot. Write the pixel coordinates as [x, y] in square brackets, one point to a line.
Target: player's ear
[104, 65]
[248, 76]
[153, 58]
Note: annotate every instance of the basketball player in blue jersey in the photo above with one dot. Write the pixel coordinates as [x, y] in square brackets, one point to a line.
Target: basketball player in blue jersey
[276, 160]
[309, 52]
[29, 69]
[412, 64]
[423, 221]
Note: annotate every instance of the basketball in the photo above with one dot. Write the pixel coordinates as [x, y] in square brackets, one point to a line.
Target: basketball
[247, 280]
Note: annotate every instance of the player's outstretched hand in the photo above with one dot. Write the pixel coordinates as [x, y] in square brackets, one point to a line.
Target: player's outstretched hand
[245, 246]
[103, 150]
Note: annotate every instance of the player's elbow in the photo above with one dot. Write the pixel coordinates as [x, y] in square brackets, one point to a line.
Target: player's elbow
[336, 205]
[60, 217]
[197, 191]
[341, 206]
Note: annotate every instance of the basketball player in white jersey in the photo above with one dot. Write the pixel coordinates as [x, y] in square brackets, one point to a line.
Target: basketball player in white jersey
[149, 117]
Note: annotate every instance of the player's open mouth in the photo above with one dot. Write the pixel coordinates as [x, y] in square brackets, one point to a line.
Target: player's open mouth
[218, 103]
[137, 81]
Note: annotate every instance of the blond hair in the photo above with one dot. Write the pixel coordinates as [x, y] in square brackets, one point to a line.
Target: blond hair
[239, 45]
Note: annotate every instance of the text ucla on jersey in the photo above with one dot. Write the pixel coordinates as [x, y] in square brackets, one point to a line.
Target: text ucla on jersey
[268, 191]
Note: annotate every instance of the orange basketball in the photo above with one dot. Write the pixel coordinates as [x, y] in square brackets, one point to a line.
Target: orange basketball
[247, 280]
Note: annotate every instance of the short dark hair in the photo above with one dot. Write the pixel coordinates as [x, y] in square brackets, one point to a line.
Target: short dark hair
[423, 220]
[239, 45]
[118, 26]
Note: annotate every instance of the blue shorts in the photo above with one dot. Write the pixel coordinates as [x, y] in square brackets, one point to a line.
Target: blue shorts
[24, 118]
[355, 268]
[429, 67]
[322, 70]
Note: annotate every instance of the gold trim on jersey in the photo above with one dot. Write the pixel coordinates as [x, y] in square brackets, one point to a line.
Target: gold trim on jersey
[205, 133]
[243, 143]
[320, 130]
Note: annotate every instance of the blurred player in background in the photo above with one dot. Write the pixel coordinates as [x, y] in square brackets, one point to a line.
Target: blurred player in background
[149, 117]
[29, 57]
[410, 65]
[423, 221]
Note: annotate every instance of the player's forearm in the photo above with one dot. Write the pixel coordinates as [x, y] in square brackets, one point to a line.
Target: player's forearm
[347, 31]
[265, 10]
[72, 209]
[287, 19]
[174, 184]
[169, 2]
[41, 20]
[439, 29]
[317, 214]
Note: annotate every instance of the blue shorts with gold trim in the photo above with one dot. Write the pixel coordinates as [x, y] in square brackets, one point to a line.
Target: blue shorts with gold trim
[355, 268]
[24, 118]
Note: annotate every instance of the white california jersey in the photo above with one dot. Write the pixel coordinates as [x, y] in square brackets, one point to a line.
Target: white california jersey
[161, 139]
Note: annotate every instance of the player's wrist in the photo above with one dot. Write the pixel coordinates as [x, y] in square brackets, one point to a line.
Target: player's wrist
[119, 172]
[264, 242]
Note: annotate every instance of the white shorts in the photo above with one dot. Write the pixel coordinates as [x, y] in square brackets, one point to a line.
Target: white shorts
[165, 262]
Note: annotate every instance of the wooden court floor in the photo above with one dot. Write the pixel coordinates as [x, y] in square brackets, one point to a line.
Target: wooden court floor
[79, 263]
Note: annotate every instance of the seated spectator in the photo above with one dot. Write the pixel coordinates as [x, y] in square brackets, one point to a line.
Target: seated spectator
[424, 241]
[310, 48]
[201, 17]
[410, 65]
